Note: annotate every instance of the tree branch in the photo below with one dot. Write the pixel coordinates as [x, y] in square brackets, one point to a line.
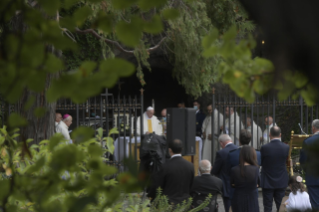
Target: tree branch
[95, 34]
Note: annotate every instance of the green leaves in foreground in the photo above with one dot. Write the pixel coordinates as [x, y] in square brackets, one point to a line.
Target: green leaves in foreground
[59, 176]
[90, 78]
[246, 75]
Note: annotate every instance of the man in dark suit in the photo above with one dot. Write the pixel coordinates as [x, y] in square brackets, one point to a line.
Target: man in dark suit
[176, 177]
[207, 183]
[312, 182]
[274, 175]
[200, 117]
[220, 167]
[233, 156]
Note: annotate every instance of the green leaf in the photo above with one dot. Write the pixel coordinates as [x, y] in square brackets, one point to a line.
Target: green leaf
[53, 64]
[5, 187]
[81, 15]
[119, 66]
[110, 144]
[230, 34]
[37, 166]
[113, 131]
[130, 33]
[148, 4]
[300, 79]
[209, 40]
[15, 120]
[170, 14]
[155, 26]
[82, 134]
[122, 4]
[104, 22]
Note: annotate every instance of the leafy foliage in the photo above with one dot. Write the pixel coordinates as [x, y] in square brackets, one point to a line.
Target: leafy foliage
[246, 75]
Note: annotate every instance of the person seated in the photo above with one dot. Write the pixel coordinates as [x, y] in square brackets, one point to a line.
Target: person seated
[204, 185]
[150, 123]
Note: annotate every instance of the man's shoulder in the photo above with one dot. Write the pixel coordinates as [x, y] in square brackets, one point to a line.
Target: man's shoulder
[312, 139]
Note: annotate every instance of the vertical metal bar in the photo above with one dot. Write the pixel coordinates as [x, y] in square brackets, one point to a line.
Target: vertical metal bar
[229, 113]
[311, 116]
[212, 126]
[263, 117]
[246, 116]
[124, 124]
[235, 123]
[219, 124]
[106, 110]
[142, 113]
[119, 128]
[135, 125]
[301, 111]
[274, 109]
[77, 115]
[130, 123]
[307, 113]
[252, 124]
[268, 109]
[317, 112]
[95, 112]
[240, 116]
[257, 123]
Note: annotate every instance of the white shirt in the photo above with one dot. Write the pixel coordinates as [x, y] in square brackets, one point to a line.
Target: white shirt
[266, 133]
[299, 201]
[207, 124]
[64, 130]
[176, 155]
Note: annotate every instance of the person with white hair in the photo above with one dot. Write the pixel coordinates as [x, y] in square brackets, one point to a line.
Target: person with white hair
[207, 183]
[63, 127]
[204, 185]
[220, 167]
[150, 123]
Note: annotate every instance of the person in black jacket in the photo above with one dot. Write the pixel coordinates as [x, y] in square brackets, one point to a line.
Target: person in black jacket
[220, 167]
[176, 177]
[207, 183]
[274, 175]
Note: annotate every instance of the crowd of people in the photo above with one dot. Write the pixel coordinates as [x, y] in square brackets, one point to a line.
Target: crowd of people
[237, 174]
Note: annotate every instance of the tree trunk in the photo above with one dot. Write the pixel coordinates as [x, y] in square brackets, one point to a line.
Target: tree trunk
[38, 128]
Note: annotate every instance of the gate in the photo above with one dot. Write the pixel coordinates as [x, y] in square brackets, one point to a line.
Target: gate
[286, 114]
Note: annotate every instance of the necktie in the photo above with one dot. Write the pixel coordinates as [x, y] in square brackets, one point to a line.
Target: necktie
[149, 122]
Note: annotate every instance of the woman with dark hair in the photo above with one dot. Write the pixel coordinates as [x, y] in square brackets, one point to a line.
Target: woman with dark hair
[298, 198]
[245, 179]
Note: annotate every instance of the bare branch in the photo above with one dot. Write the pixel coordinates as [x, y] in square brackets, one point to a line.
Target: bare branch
[95, 34]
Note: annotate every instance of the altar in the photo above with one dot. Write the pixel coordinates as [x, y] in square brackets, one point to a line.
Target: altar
[125, 147]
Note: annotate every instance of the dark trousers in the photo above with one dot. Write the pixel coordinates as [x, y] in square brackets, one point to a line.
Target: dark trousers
[314, 196]
[272, 194]
[227, 203]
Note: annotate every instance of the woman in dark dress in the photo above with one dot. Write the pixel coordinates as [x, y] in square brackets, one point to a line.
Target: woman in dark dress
[245, 179]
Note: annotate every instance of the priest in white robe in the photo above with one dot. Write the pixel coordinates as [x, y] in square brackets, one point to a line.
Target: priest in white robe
[257, 133]
[269, 124]
[229, 112]
[207, 135]
[150, 123]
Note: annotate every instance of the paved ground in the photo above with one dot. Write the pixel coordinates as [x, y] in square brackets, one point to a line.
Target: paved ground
[260, 200]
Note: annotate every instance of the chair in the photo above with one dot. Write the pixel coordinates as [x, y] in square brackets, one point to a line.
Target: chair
[199, 198]
[295, 142]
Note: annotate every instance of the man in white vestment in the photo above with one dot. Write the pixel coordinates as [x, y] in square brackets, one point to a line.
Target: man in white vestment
[63, 127]
[257, 133]
[150, 123]
[207, 135]
[230, 114]
[265, 136]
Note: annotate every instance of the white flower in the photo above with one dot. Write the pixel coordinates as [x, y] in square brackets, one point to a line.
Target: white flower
[299, 179]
